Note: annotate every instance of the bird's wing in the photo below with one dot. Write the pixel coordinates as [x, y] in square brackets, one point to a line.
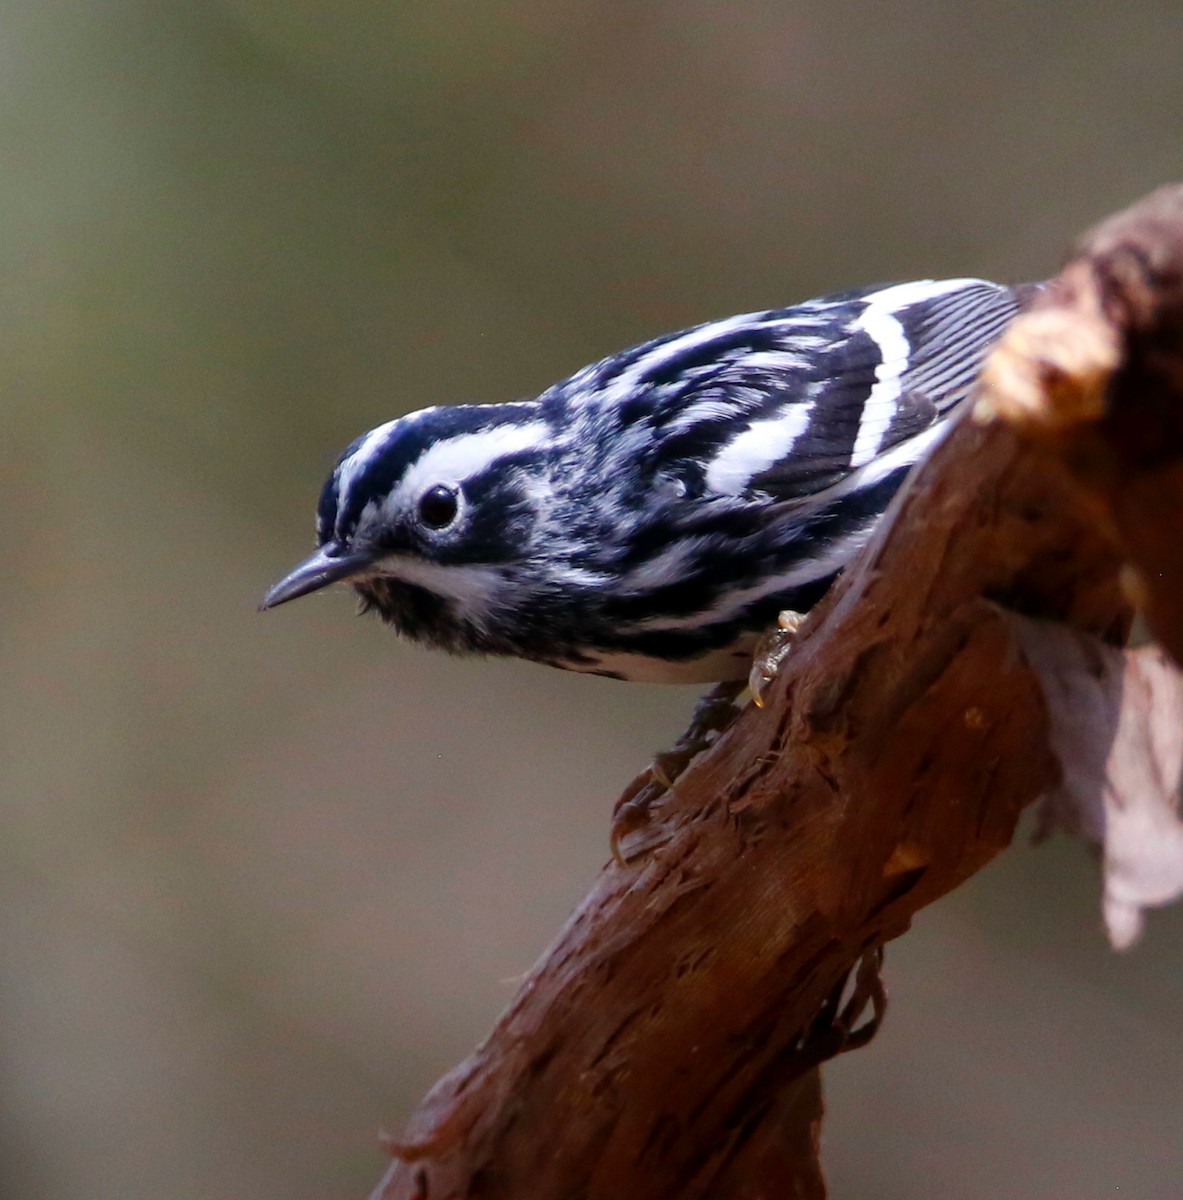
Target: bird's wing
[902, 358]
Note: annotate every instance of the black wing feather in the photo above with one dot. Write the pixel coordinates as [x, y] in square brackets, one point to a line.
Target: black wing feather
[947, 338]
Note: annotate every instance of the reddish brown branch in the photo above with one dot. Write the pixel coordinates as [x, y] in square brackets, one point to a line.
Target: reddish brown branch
[666, 1046]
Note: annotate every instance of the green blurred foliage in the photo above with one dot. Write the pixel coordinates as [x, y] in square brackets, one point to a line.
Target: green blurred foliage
[265, 879]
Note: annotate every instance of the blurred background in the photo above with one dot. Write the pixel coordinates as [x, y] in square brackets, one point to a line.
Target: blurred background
[263, 879]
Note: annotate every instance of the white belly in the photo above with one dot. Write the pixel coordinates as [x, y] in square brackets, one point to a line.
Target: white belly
[716, 666]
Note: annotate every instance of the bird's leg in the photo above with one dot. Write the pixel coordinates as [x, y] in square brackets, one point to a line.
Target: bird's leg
[772, 650]
[713, 713]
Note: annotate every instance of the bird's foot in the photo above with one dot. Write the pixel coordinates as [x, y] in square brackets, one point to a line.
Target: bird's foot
[771, 651]
[714, 712]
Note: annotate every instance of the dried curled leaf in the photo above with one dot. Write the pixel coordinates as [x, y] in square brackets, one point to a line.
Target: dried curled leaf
[1116, 719]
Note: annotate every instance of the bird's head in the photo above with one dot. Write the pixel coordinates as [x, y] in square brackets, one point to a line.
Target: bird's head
[431, 518]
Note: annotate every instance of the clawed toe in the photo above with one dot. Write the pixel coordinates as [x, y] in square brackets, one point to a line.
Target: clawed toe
[771, 651]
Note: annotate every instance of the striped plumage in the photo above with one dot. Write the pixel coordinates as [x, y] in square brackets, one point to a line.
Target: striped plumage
[648, 517]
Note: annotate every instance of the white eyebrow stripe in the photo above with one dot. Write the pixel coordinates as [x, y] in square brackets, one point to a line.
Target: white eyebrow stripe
[880, 321]
[349, 470]
[756, 449]
[455, 459]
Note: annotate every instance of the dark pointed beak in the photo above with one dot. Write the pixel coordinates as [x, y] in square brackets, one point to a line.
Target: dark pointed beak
[328, 565]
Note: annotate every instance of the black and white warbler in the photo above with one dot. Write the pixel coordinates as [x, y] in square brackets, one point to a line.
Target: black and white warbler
[650, 516]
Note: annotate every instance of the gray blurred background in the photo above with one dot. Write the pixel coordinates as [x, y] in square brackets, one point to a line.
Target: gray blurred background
[263, 879]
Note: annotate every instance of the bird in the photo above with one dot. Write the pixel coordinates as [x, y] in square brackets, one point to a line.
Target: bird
[650, 516]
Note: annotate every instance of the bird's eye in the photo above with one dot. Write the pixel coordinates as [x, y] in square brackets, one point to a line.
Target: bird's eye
[438, 506]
